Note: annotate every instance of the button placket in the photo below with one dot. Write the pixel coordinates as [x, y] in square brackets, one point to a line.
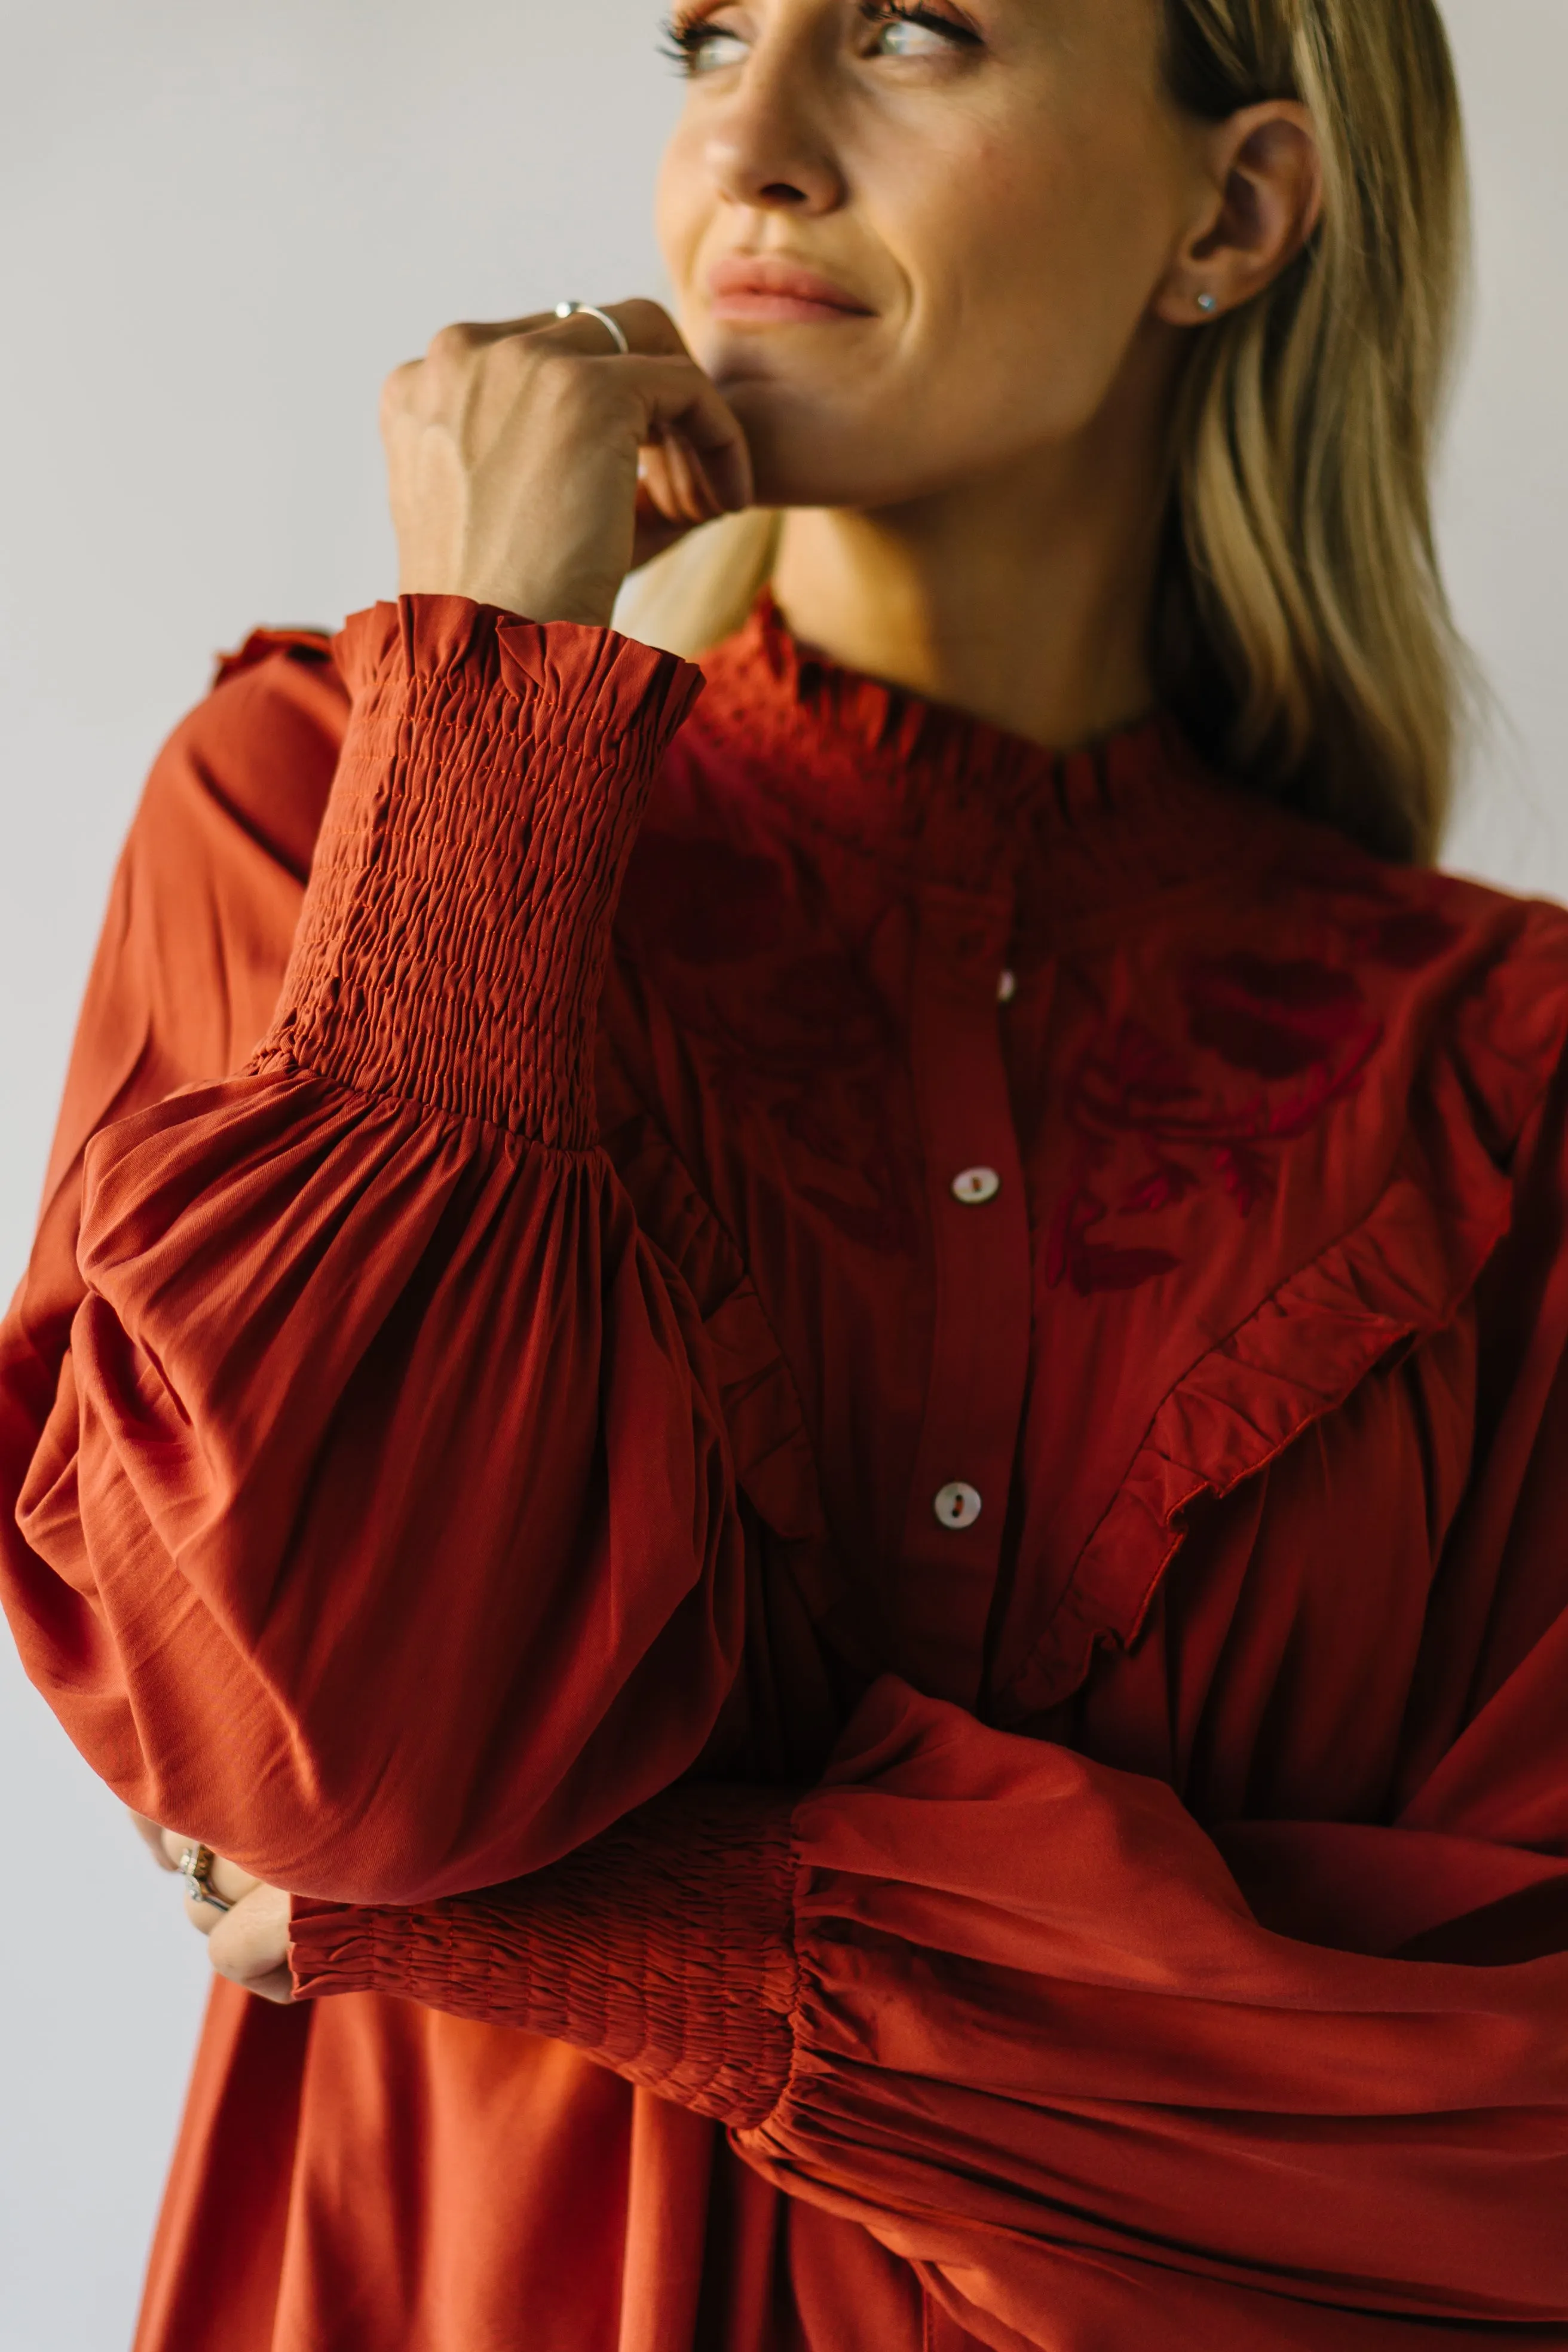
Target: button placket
[956, 1512]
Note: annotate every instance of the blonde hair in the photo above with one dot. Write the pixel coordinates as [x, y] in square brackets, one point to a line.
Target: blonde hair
[1302, 633]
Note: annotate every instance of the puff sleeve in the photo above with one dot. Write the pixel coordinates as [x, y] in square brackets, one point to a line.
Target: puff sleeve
[1082, 2058]
[379, 1527]
[1010, 2011]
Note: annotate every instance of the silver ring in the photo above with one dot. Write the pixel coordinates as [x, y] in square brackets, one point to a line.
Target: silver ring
[588, 310]
[194, 1867]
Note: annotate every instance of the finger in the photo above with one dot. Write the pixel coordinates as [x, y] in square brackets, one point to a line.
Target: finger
[231, 1887]
[682, 492]
[656, 493]
[703, 499]
[228, 1881]
[279, 1986]
[679, 400]
[684, 406]
[656, 529]
[449, 357]
[251, 1944]
[647, 326]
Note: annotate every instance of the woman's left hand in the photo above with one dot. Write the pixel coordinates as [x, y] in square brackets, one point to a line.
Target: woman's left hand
[248, 1943]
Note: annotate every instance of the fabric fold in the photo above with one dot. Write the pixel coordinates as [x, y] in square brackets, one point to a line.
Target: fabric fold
[1402, 1274]
[1010, 2010]
[365, 1385]
[468, 1487]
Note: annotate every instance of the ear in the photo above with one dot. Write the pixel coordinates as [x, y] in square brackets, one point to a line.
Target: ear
[1261, 180]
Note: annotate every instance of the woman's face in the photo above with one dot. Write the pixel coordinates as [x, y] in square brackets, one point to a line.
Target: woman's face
[916, 246]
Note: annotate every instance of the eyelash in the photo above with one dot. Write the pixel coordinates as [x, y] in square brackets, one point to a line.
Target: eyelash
[688, 34]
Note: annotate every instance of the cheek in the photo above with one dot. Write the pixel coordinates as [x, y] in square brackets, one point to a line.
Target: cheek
[681, 206]
[1030, 292]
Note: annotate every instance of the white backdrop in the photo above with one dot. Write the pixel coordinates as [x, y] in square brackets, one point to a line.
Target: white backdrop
[221, 225]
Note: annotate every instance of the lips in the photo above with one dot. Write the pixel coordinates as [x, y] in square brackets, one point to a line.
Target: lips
[761, 286]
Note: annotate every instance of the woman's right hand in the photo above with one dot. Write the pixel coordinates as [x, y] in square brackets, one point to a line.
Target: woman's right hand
[531, 467]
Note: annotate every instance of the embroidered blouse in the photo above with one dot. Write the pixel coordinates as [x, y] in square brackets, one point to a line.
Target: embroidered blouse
[854, 1444]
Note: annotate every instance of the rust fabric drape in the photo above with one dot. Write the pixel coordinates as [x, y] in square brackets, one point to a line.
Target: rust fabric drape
[850, 1443]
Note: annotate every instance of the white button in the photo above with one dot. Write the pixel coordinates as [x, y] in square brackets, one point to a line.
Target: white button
[1007, 988]
[976, 1186]
[958, 1506]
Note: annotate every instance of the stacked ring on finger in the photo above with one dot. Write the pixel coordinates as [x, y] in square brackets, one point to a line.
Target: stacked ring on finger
[590, 311]
[196, 1866]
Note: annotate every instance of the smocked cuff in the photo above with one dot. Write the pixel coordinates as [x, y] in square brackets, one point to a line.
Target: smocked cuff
[664, 1949]
[454, 937]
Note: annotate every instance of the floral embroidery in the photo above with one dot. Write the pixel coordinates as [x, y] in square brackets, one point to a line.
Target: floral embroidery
[1373, 919]
[1278, 1021]
[1408, 939]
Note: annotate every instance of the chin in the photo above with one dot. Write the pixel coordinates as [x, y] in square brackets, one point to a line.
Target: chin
[806, 452]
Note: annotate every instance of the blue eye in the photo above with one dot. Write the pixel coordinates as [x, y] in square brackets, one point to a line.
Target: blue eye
[913, 37]
[699, 48]
[715, 49]
[905, 32]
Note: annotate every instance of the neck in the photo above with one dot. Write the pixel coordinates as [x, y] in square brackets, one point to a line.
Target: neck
[1023, 598]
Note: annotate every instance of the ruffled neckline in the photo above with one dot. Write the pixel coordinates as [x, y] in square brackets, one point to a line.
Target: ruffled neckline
[954, 801]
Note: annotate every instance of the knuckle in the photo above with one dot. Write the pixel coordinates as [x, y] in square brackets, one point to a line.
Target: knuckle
[397, 391]
[645, 318]
[453, 346]
[516, 357]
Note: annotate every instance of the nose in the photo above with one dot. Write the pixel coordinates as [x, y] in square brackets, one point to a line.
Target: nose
[770, 149]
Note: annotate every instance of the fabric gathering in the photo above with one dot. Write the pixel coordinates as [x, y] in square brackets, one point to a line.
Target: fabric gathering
[1137, 1932]
[806, 1399]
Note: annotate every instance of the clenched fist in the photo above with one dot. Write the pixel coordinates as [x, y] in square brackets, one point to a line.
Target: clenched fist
[533, 466]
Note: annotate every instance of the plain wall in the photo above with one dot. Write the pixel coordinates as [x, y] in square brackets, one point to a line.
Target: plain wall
[222, 226]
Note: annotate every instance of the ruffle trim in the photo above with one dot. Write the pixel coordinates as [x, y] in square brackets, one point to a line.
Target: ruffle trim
[297, 645]
[592, 680]
[961, 804]
[775, 1461]
[454, 937]
[763, 1410]
[1399, 1278]
[664, 1949]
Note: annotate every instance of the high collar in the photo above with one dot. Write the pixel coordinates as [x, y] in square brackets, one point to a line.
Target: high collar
[952, 802]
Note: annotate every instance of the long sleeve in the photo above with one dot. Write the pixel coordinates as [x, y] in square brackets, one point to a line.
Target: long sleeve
[1009, 2009]
[1082, 2058]
[383, 1490]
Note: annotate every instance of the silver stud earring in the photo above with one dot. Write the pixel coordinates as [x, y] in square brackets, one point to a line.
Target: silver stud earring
[1208, 303]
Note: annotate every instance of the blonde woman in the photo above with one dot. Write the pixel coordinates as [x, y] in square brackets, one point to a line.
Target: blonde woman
[812, 1443]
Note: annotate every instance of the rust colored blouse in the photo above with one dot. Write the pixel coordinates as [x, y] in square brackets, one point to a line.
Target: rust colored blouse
[854, 1444]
